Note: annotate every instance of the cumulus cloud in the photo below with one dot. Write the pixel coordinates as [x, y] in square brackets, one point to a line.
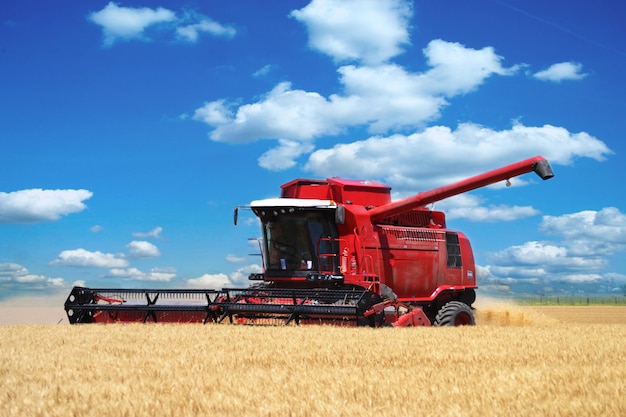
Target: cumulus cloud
[154, 233]
[12, 269]
[550, 256]
[127, 23]
[561, 72]
[134, 274]
[470, 207]
[210, 281]
[142, 249]
[382, 97]
[590, 232]
[191, 32]
[457, 69]
[427, 157]
[363, 36]
[283, 112]
[234, 259]
[85, 258]
[214, 113]
[37, 205]
[284, 155]
[587, 240]
[368, 31]
[16, 277]
[237, 279]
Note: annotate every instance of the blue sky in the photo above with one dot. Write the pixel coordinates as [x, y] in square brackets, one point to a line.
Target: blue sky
[130, 130]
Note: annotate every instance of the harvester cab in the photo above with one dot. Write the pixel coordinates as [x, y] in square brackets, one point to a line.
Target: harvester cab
[333, 251]
[299, 240]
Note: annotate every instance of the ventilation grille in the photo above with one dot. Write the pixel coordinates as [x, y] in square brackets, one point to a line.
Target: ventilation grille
[411, 219]
[414, 234]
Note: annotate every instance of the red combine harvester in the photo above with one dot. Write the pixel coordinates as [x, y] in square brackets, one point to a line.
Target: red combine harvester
[334, 251]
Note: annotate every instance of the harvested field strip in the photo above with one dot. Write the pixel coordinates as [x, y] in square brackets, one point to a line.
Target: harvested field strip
[190, 370]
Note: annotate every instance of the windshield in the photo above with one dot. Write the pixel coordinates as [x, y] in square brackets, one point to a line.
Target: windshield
[303, 241]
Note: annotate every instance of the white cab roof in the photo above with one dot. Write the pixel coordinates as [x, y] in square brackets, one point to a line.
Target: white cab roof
[293, 202]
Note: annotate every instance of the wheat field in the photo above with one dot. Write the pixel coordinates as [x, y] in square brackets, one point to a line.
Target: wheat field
[516, 361]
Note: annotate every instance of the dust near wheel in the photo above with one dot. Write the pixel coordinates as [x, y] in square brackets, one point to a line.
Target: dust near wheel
[455, 313]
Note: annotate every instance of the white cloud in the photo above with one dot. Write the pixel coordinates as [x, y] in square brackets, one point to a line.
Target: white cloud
[190, 33]
[96, 229]
[284, 155]
[237, 279]
[16, 277]
[210, 281]
[142, 249]
[134, 274]
[549, 256]
[492, 213]
[581, 279]
[214, 113]
[293, 114]
[154, 233]
[381, 97]
[369, 31]
[457, 69]
[12, 269]
[126, 23]
[37, 205]
[533, 253]
[82, 257]
[467, 206]
[588, 238]
[590, 232]
[561, 72]
[262, 72]
[234, 259]
[439, 155]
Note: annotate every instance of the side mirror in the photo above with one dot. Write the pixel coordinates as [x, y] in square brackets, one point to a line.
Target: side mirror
[340, 215]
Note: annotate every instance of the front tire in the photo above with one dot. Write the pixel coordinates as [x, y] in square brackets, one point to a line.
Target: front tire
[455, 313]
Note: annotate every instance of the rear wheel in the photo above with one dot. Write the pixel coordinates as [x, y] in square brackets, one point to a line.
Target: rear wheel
[455, 313]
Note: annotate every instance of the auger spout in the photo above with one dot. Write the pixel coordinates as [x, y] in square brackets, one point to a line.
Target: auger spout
[538, 164]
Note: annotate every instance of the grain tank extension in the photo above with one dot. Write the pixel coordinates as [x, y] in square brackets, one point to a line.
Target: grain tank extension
[334, 251]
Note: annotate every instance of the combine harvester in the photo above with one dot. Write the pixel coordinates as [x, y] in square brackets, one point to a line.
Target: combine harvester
[334, 251]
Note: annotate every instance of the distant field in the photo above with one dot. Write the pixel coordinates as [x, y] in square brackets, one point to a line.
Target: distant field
[614, 300]
[583, 314]
[507, 314]
[516, 361]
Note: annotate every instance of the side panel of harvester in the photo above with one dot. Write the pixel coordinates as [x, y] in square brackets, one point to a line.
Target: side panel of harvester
[418, 262]
[411, 260]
